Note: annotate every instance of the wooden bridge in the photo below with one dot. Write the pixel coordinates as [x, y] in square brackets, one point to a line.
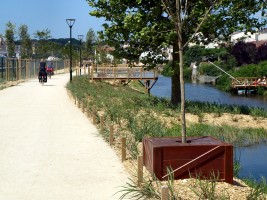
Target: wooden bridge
[247, 84]
[122, 73]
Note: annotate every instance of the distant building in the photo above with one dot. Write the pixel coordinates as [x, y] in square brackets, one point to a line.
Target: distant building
[4, 49]
[258, 38]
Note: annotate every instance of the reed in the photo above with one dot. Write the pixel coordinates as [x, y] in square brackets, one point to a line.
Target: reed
[206, 189]
[142, 116]
[146, 190]
[258, 189]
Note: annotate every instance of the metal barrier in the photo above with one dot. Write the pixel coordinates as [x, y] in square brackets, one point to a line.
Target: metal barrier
[13, 69]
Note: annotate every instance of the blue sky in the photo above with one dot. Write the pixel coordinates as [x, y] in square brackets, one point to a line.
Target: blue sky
[49, 14]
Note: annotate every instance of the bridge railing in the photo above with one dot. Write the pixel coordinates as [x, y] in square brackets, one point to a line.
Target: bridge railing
[246, 81]
[121, 73]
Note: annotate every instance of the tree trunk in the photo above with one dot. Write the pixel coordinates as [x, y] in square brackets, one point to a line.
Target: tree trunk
[176, 91]
[183, 120]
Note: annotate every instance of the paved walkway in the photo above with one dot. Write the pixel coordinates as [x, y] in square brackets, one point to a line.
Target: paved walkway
[49, 150]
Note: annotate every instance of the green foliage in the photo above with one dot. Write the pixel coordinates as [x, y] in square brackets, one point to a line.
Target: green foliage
[146, 125]
[140, 114]
[42, 45]
[258, 189]
[237, 168]
[236, 136]
[194, 54]
[145, 190]
[144, 26]
[140, 118]
[10, 38]
[208, 69]
[90, 45]
[251, 70]
[167, 69]
[25, 40]
[187, 73]
[206, 189]
[245, 53]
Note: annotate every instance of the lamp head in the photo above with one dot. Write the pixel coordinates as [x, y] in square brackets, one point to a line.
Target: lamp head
[80, 37]
[70, 22]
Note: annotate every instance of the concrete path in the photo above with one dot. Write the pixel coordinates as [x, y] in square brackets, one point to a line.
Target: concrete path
[49, 150]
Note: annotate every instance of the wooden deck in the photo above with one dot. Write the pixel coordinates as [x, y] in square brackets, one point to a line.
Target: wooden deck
[124, 74]
[135, 73]
[248, 83]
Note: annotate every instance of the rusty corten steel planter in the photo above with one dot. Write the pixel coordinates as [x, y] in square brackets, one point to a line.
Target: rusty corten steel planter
[199, 157]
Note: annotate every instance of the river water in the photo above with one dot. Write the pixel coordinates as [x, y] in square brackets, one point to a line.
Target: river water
[207, 93]
[252, 159]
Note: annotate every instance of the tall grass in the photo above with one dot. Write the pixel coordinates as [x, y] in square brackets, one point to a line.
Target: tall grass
[258, 189]
[207, 189]
[143, 115]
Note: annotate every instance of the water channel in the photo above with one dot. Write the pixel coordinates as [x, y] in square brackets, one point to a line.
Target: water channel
[252, 159]
[207, 93]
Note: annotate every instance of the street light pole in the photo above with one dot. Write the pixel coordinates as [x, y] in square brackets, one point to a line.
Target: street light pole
[70, 22]
[80, 37]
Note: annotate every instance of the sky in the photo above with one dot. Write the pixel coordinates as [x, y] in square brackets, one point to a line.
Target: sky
[49, 14]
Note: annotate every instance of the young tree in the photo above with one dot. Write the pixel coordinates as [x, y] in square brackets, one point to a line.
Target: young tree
[211, 18]
[25, 41]
[10, 38]
[177, 22]
[42, 46]
[90, 44]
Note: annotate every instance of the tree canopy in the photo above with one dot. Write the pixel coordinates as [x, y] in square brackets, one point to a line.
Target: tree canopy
[10, 38]
[148, 25]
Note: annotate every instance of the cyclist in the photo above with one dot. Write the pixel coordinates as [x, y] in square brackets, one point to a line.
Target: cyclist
[42, 70]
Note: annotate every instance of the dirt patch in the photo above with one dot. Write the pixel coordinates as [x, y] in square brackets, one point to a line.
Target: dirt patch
[235, 120]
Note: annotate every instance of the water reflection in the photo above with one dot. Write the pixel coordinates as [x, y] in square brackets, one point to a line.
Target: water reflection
[206, 93]
[253, 161]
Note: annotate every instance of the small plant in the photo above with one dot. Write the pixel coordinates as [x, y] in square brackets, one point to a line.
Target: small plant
[201, 117]
[237, 167]
[206, 189]
[258, 190]
[234, 118]
[236, 110]
[132, 147]
[170, 183]
[145, 190]
[218, 112]
[256, 112]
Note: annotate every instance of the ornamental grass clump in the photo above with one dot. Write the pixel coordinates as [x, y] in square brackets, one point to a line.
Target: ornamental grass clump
[207, 188]
[258, 189]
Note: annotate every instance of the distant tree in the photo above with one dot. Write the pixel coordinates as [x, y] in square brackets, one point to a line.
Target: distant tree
[193, 54]
[90, 44]
[244, 53]
[25, 41]
[10, 38]
[42, 46]
[262, 52]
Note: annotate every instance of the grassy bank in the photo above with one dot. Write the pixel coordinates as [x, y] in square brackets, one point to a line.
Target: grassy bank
[137, 115]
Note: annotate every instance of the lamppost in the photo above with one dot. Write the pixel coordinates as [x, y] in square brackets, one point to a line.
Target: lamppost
[70, 22]
[80, 37]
